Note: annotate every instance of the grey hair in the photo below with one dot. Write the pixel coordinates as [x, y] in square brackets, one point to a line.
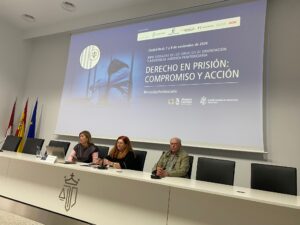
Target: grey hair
[177, 139]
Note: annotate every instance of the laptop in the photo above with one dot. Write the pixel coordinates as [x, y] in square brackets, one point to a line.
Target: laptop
[59, 152]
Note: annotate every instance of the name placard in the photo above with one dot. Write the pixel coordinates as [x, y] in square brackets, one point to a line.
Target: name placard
[51, 159]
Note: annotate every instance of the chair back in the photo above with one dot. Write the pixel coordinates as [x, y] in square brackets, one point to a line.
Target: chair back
[102, 151]
[32, 144]
[215, 170]
[11, 143]
[274, 178]
[140, 157]
[191, 160]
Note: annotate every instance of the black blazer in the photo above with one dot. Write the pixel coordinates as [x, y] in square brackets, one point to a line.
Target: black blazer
[128, 162]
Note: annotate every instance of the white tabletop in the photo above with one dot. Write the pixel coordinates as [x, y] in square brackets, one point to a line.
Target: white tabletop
[248, 194]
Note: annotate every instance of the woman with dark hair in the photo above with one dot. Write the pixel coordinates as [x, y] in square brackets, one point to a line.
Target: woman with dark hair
[121, 155]
[85, 150]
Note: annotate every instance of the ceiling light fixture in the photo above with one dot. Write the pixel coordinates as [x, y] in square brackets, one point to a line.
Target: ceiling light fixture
[28, 18]
[68, 6]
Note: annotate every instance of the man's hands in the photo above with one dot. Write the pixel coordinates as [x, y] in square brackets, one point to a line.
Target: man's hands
[161, 172]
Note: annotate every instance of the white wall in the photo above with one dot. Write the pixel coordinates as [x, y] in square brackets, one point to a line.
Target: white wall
[14, 55]
[45, 79]
[282, 84]
[282, 105]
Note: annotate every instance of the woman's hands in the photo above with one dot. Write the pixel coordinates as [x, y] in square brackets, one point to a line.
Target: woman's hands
[111, 164]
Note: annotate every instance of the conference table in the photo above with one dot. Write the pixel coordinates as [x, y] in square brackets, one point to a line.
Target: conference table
[115, 196]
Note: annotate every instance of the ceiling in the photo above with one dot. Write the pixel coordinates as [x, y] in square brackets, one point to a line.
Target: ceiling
[48, 12]
[51, 18]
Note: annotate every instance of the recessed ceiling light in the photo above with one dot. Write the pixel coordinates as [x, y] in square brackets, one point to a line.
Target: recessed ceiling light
[68, 6]
[28, 18]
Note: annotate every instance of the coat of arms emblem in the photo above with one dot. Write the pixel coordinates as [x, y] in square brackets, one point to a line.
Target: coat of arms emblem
[69, 192]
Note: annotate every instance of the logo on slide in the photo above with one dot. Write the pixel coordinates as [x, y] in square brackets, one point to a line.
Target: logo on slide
[171, 101]
[69, 192]
[89, 57]
[203, 100]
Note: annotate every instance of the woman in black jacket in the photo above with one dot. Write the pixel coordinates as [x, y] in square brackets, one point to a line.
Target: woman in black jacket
[121, 155]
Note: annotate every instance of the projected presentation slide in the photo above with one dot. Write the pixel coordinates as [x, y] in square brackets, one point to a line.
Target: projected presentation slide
[197, 76]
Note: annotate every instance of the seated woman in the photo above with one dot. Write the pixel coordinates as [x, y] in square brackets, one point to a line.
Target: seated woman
[121, 155]
[85, 150]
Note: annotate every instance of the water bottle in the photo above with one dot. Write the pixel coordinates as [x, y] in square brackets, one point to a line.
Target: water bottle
[38, 151]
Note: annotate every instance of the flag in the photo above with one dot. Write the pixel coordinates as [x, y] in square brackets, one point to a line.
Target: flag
[21, 128]
[10, 127]
[31, 131]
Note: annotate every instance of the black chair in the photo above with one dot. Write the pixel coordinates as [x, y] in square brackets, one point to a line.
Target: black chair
[274, 178]
[191, 160]
[140, 157]
[32, 144]
[11, 143]
[215, 170]
[102, 151]
[62, 144]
